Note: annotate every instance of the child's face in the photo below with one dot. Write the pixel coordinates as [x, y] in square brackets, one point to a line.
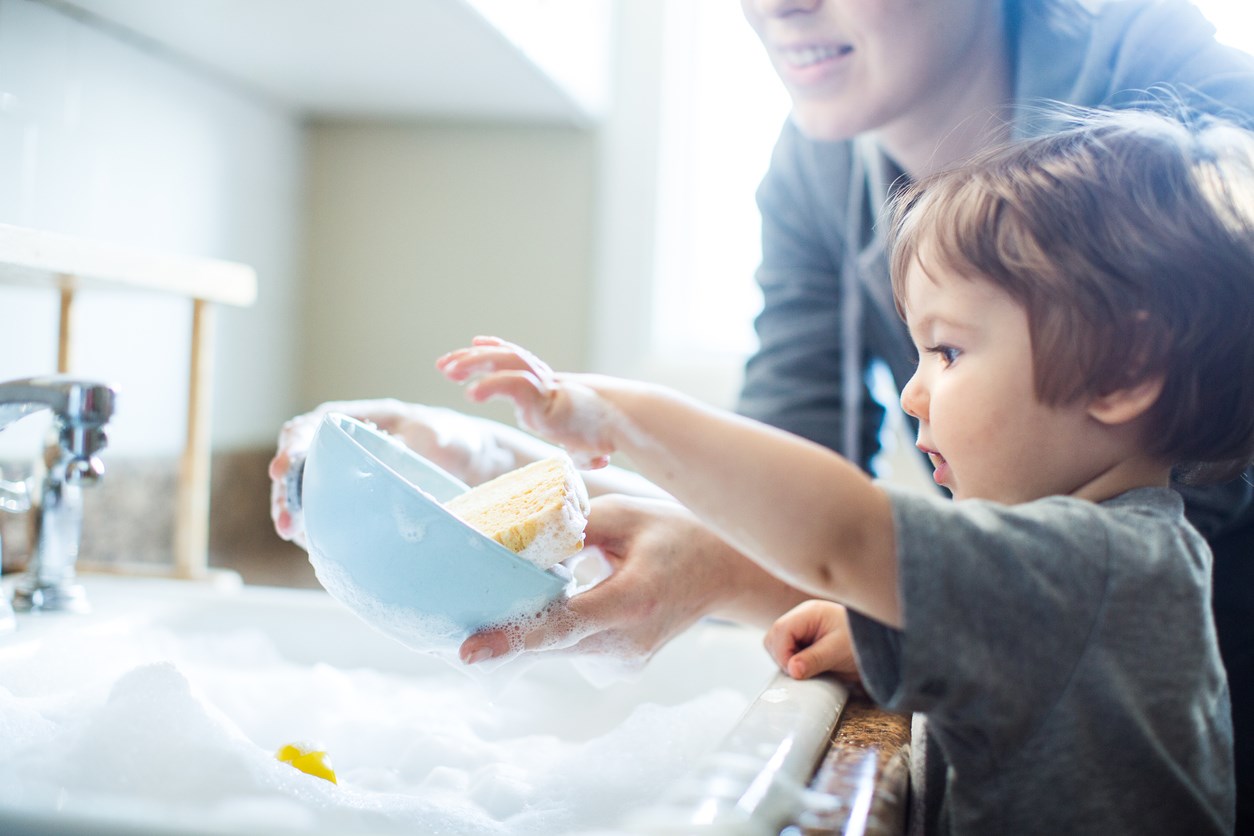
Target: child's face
[980, 422]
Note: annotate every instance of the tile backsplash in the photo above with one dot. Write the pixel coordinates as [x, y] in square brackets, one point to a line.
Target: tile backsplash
[129, 516]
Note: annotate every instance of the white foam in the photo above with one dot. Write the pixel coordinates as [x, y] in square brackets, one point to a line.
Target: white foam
[165, 730]
[556, 542]
[420, 631]
[433, 634]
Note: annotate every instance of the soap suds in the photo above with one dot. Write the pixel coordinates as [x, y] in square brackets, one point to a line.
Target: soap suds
[430, 633]
[167, 731]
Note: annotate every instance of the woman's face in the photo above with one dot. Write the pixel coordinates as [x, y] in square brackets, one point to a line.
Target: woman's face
[853, 66]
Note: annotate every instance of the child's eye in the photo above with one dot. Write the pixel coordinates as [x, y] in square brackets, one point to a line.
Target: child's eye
[947, 353]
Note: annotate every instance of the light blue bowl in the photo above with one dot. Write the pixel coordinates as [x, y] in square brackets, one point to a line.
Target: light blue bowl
[383, 545]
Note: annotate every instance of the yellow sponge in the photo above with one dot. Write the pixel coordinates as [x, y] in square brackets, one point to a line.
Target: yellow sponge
[538, 511]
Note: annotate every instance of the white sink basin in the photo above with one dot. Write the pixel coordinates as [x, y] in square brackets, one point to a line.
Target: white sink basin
[160, 712]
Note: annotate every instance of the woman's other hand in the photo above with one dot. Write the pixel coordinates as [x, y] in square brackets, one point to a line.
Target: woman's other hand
[667, 571]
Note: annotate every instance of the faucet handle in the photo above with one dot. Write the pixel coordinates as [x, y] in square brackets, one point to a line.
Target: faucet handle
[74, 401]
[88, 404]
[81, 409]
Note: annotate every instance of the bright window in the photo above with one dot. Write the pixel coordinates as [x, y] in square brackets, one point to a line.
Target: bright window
[1233, 19]
[722, 111]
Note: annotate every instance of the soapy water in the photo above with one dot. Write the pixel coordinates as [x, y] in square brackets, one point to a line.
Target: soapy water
[427, 632]
[178, 732]
[414, 628]
[602, 662]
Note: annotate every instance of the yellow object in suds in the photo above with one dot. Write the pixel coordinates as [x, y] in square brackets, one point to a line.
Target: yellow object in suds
[307, 760]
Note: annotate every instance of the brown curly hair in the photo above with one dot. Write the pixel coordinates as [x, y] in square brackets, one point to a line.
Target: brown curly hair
[1128, 237]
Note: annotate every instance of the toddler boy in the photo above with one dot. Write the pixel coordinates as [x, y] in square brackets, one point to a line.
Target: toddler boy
[1081, 304]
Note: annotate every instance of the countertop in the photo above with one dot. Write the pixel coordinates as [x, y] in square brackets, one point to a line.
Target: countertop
[862, 784]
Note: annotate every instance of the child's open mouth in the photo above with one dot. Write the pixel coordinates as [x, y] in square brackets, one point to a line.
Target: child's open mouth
[940, 472]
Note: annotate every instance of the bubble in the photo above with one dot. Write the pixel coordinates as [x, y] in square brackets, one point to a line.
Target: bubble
[416, 629]
[165, 731]
[501, 789]
[411, 531]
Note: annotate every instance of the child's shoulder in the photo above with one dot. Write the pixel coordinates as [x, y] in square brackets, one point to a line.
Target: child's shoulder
[1147, 524]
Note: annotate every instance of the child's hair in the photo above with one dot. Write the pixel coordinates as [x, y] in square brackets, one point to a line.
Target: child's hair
[1128, 237]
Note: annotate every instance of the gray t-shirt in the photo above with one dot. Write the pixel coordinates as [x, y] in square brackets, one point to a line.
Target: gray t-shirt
[1064, 654]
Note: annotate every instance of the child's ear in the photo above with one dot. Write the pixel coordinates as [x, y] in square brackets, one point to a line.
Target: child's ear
[1124, 405]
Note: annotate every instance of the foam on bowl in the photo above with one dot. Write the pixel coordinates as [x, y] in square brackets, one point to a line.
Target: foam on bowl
[383, 545]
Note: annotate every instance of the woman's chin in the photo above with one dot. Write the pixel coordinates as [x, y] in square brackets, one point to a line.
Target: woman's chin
[824, 122]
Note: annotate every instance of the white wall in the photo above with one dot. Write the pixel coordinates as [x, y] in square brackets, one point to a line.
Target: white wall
[102, 139]
[377, 246]
[421, 236]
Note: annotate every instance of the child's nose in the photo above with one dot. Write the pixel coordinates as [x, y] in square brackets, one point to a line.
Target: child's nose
[914, 398]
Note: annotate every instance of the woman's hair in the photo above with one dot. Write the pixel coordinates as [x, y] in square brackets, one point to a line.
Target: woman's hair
[1128, 237]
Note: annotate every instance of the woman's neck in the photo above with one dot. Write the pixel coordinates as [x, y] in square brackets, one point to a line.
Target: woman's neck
[970, 112]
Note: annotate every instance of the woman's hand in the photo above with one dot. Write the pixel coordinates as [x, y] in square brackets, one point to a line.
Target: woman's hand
[667, 571]
[813, 638]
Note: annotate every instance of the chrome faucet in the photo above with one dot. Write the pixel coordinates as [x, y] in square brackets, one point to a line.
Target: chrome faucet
[80, 410]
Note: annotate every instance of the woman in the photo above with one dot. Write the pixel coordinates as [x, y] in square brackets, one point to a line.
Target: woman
[881, 90]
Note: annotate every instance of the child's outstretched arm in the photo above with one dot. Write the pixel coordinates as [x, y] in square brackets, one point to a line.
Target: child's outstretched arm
[813, 638]
[796, 508]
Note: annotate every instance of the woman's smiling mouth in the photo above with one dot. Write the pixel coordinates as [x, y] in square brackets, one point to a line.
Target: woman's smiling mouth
[807, 56]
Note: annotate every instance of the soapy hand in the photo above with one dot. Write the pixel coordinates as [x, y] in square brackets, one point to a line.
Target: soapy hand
[567, 409]
[473, 449]
[667, 570]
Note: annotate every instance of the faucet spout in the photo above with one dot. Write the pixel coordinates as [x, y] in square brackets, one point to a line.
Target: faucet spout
[80, 409]
[79, 401]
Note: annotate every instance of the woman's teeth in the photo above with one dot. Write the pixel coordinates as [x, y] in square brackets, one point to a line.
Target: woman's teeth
[806, 56]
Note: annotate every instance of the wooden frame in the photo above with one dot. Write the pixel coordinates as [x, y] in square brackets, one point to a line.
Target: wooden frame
[68, 264]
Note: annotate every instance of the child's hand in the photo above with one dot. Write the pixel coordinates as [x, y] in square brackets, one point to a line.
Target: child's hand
[565, 409]
[811, 638]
